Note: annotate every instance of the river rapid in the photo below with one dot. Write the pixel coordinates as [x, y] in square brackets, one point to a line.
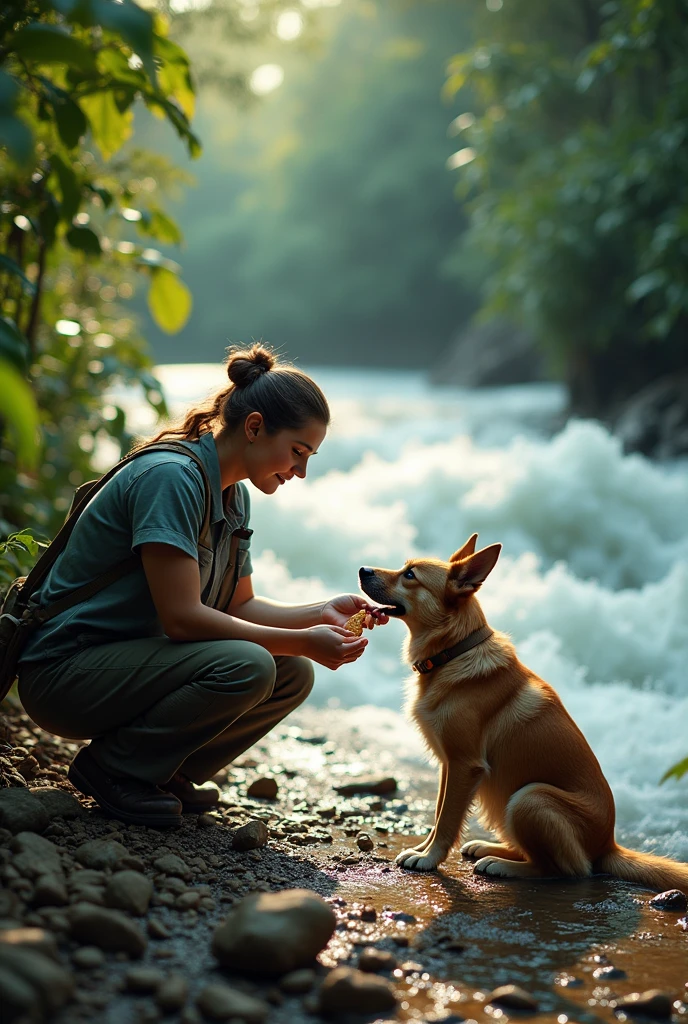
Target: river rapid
[592, 584]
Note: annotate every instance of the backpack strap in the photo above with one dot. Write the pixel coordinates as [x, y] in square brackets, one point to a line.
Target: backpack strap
[45, 563]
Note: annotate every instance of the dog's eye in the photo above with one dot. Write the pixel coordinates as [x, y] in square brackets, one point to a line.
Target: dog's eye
[409, 574]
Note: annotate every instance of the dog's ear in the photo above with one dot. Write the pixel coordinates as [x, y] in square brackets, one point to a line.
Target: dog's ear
[466, 576]
[466, 550]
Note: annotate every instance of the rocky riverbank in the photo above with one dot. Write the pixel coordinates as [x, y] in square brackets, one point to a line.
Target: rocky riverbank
[104, 922]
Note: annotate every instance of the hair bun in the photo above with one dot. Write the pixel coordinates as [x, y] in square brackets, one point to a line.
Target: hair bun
[246, 365]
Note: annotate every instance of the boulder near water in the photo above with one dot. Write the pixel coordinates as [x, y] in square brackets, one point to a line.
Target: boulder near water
[346, 990]
[274, 933]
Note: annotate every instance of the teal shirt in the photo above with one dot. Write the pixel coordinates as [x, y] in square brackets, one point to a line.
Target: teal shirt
[156, 498]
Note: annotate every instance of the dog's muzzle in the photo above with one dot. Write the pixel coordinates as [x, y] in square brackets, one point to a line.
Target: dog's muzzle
[372, 586]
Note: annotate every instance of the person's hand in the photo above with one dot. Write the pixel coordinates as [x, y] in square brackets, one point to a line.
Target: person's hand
[339, 610]
[332, 646]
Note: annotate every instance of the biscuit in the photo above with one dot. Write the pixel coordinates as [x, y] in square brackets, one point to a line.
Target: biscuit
[355, 623]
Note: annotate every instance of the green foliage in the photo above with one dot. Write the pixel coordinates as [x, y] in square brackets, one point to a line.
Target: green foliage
[677, 771]
[70, 77]
[575, 168]
[17, 556]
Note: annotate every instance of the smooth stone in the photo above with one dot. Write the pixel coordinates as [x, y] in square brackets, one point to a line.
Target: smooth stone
[57, 803]
[35, 855]
[50, 891]
[346, 990]
[374, 960]
[31, 938]
[513, 998]
[53, 983]
[100, 853]
[653, 1003]
[377, 786]
[157, 929]
[609, 973]
[297, 982]
[364, 842]
[171, 864]
[21, 811]
[222, 1003]
[130, 891]
[108, 929]
[263, 789]
[88, 957]
[251, 836]
[143, 979]
[672, 899]
[172, 993]
[274, 933]
[188, 900]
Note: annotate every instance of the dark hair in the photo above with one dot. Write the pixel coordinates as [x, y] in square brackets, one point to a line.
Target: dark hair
[285, 396]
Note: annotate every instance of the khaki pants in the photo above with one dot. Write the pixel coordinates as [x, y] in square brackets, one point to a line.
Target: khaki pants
[153, 707]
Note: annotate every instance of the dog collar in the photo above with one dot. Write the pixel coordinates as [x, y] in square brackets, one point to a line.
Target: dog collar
[472, 640]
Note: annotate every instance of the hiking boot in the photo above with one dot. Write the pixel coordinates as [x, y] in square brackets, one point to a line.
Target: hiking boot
[195, 799]
[123, 797]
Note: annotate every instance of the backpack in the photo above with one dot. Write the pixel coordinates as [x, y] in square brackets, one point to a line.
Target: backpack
[20, 615]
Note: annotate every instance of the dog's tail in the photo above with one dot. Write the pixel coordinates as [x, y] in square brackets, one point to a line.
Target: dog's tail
[659, 873]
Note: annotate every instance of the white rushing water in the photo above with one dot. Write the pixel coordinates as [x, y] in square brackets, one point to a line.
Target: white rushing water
[592, 584]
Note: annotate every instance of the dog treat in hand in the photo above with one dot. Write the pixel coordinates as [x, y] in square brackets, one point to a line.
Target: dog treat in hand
[355, 623]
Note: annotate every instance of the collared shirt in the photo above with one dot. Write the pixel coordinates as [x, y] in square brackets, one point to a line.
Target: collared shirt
[157, 498]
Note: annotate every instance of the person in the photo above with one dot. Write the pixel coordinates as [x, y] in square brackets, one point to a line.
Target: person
[169, 688]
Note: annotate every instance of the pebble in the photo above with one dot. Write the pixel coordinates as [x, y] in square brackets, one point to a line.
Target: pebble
[609, 973]
[30, 981]
[376, 786]
[57, 803]
[364, 842]
[672, 899]
[653, 1003]
[171, 864]
[250, 836]
[88, 957]
[274, 933]
[221, 1002]
[206, 820]
[157, 929]
[100, 853]
[188, 900]
[35, 855]
[513, 998]
[172, 993]
[374, 960]
[143, 979]
[263, 789]
[50, 891]
[297, 982]
[108, 929]
[22, 811]
[346, 990]
[129, 891]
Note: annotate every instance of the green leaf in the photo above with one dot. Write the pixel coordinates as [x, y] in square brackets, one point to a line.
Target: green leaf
[642, 286]
[159, 226]
[115, 64]
[18, 408]
[69, 187]
[8, 265]
[677, 771]
[174, 75]
[70, 119]
[14, 348]
[169, 300]
[132, 24]
[17, 138]
[51, 44]
[84, 239]
[111, 127]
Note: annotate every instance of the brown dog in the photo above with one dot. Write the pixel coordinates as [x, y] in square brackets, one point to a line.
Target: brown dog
[502, 737]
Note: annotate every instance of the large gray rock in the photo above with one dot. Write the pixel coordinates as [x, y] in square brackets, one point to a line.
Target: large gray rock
[38, 984]
[58, 803]
[130, 891]
[100, 853]
[34, 855]
[655, 420]
[346, 990]
[107, 929]
[220, 1002]
[274, 933]
[21, 811]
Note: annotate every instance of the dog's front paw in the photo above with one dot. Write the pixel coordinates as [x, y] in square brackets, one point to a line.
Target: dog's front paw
[419, 861]
[402, 857]
[474, 849]
[493, 867]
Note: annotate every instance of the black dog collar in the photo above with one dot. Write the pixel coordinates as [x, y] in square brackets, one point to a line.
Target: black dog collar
[472, 640]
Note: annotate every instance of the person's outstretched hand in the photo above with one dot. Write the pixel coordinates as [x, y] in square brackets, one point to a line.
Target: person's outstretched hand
[332, 646]
[339, 610]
